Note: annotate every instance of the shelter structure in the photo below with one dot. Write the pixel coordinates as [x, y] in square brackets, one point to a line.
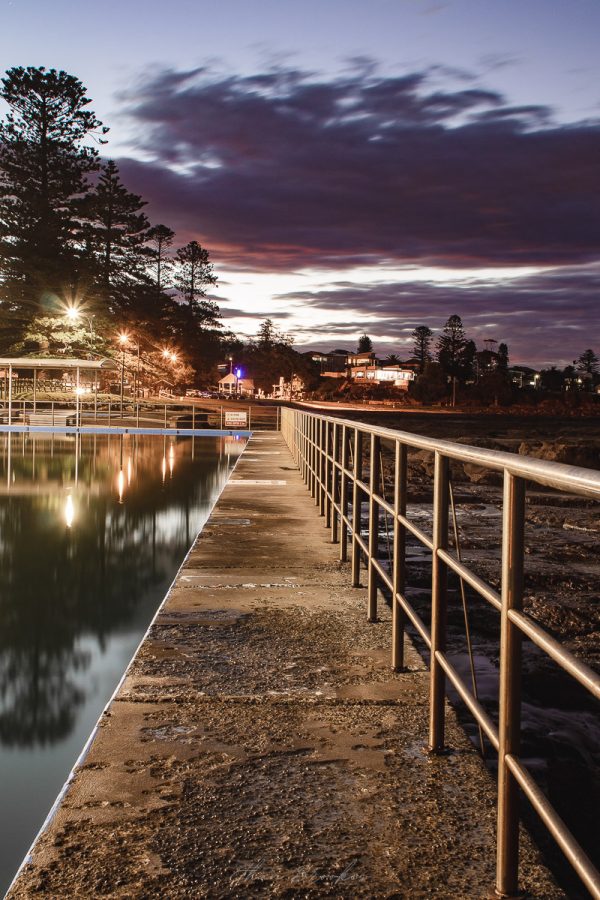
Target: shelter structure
[11, 365]
[234, 384]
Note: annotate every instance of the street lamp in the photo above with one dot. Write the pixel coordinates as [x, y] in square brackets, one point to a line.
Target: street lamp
[171, 356]
[74, 313]
[123, 341]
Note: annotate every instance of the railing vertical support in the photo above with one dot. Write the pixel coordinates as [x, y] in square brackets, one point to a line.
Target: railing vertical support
[312, 433]
[399, 569]
[513, 536]
[319, 462]
[439, 601]
[325, 501]
[344, 496]
[299, 433]
[306, 447]
[356, 507]
[374, 481]
[335, 478]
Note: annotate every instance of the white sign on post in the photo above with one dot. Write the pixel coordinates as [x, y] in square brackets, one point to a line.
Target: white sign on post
[235, 419]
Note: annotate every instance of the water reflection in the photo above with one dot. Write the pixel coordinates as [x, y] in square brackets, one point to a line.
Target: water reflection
[69, 511]
[57, 583]
[92, 531]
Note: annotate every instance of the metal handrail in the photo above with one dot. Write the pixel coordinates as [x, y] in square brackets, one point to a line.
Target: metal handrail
[141, 411]
[323, 446]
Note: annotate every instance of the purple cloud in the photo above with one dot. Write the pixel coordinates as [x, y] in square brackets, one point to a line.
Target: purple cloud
[284, 169]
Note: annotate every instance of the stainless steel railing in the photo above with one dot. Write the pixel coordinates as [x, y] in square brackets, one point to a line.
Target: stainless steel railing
[329, 452]
[140, 413]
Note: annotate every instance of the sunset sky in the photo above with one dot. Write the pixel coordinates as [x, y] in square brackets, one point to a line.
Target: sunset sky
[358, 167]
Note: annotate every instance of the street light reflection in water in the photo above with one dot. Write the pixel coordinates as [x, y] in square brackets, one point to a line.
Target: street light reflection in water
[69, 511]
[92, 531]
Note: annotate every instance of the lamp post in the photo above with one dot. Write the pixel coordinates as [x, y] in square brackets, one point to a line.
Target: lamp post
[123, 341]
[171, 356]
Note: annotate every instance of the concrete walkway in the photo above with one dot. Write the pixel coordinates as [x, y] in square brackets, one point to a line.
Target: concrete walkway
[261, 746]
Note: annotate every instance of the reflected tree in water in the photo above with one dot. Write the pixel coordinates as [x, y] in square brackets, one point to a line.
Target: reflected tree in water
[60, 585]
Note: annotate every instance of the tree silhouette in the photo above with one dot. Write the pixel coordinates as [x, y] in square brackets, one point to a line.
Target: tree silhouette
[117, 234]
[422, 337]
[455, 353]
[160, 238]
[195, 272]
[588, 362]
[45, 156]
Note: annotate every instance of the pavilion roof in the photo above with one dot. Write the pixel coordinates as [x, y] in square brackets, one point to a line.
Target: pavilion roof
[38, 362]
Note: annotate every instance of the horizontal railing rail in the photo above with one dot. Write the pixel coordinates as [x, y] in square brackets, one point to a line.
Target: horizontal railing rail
[329, 453]
[175, 414]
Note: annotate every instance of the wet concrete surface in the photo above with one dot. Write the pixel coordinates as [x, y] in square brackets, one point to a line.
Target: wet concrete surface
[261, 746]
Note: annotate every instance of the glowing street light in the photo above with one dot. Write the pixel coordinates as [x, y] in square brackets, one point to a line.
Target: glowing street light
[123, 339]
[74, 314]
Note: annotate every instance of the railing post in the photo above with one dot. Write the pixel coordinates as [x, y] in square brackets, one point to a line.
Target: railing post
[509, 726]
[334, 483]
[356, 507]
[344, 496]
[312, 433]
[399, 570]
[374, 480]
[318, 462]
[326, 498]
[439, 600]
[305, 448]
[322, 467]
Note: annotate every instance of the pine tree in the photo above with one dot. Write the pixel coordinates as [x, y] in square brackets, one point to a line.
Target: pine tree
[451, 346]
[502, 358]
[44, 161]
[422, 336]
[365, 345]
[195, 272]
[160, 239]
[588, 362]
[267, 335]
[117, 234]
[454, 352]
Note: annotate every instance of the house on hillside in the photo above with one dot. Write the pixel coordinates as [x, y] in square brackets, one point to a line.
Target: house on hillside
[332, 364]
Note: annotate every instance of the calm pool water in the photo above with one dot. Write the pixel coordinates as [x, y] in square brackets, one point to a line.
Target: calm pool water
[92, 532]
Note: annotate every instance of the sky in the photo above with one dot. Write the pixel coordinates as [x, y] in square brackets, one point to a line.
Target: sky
[357, 167]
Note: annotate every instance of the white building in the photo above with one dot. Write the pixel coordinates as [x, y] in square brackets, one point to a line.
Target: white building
[231, 384]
